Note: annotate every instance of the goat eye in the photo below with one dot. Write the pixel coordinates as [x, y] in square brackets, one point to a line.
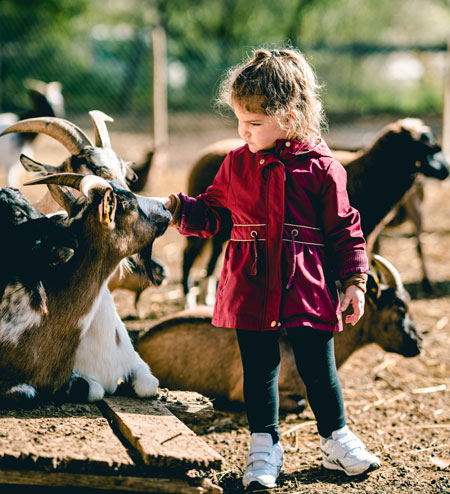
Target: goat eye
[427, 138]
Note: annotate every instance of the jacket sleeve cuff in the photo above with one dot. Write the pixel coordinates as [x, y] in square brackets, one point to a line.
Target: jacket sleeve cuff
[354, 262]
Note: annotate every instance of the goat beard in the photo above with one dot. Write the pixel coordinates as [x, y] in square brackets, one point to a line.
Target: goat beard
[145, 257]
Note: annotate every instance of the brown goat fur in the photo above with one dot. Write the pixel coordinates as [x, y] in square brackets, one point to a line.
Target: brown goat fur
[186, 352]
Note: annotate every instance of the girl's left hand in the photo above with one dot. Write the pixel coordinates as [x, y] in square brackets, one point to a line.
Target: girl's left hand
[355, 296]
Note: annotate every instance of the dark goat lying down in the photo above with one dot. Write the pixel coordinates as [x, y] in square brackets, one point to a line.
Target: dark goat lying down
[33, 245]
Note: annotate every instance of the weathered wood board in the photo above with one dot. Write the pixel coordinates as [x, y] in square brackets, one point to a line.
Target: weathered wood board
[134, 445]
[161, 439]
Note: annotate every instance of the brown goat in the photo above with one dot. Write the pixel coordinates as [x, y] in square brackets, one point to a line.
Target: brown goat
[378, 179]
[39, 352]
[186, 352]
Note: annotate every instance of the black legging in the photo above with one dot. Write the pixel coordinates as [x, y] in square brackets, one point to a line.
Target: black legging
[314, 356]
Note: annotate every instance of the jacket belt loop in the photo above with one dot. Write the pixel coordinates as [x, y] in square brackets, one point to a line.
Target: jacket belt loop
[254, 270]
[294, 233]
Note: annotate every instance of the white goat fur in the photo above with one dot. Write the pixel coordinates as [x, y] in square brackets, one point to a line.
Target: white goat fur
[99, 359]
[103, 362]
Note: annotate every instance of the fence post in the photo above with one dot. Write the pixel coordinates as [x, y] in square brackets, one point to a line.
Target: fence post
[160, 107]
[446, 116]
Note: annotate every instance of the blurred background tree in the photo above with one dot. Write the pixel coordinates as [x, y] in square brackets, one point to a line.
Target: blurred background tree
[372, 57]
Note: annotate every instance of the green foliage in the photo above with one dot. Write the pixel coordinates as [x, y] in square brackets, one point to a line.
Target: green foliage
[101, 50]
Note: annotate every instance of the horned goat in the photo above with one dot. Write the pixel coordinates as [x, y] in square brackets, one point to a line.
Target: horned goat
[378, 179]
[187, 353]
[46, 100]
[101, 160]
[409, 208]
[109, 223]
[136, 274]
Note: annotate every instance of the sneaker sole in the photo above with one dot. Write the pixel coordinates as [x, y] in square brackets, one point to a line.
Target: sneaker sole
[256, 487]
[333, 466]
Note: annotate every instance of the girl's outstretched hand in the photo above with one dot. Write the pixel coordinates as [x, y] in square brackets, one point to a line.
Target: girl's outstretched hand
[165, 200]
[355, 296]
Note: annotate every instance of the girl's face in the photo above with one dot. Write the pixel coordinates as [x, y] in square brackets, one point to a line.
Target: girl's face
[259, 131]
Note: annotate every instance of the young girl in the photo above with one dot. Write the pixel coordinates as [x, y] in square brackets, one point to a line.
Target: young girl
[294, 233]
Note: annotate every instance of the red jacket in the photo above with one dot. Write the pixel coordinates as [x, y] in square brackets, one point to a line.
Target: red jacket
[294, 233]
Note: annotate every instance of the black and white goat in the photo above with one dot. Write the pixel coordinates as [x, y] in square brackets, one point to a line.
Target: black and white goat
[379, 177]
[101, 371]
[41, 352]
[32, 245]
[46, 100]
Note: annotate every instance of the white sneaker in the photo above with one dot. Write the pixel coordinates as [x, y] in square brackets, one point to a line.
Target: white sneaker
[264, 461]
[345, 451]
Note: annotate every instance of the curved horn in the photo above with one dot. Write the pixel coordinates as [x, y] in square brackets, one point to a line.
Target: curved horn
[101, 132]
[93, 182]
[67, 133]
[70, 179]
[391, 273]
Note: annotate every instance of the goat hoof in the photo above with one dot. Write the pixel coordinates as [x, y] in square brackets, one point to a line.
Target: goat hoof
[147, 386]
[79, 390]
[20, 396]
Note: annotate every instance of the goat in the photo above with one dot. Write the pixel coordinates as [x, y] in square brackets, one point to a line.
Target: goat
[378, 179]
[101, 160]
[187, 353]
[409, 208]
[109, 223]
[47, 100]
[34, 245]
[135, 279]
[403, 150]
[142, 171]
[201, 175]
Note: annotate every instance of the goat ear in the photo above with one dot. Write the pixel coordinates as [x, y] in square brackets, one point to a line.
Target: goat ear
[35, 167]
[130, 175]
[107, 208]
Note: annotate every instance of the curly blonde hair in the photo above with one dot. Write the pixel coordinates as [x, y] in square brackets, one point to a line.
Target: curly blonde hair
[279, 84]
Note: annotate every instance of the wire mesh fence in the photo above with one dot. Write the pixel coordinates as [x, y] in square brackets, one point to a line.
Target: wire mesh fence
[111, 68]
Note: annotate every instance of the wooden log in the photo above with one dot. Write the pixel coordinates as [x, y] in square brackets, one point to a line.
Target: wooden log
[110, 483]
[71, 437]
[161, 439]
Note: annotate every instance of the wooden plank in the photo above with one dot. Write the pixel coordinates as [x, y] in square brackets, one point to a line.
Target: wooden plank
[162, 440]
[122, 483]
[188, 406]
[70, 437]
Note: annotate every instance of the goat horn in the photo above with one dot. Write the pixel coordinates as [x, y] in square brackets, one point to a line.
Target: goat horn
[101, 132]
[391, 273]
[93, 182]
[78, 181]
[70, 179]
[67, 133]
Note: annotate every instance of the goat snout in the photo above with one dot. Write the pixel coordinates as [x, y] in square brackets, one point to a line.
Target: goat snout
[412, 340]
[156, 212]
[437, 166]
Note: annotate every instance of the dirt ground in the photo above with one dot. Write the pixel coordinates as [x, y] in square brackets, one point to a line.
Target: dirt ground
[398, 406]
